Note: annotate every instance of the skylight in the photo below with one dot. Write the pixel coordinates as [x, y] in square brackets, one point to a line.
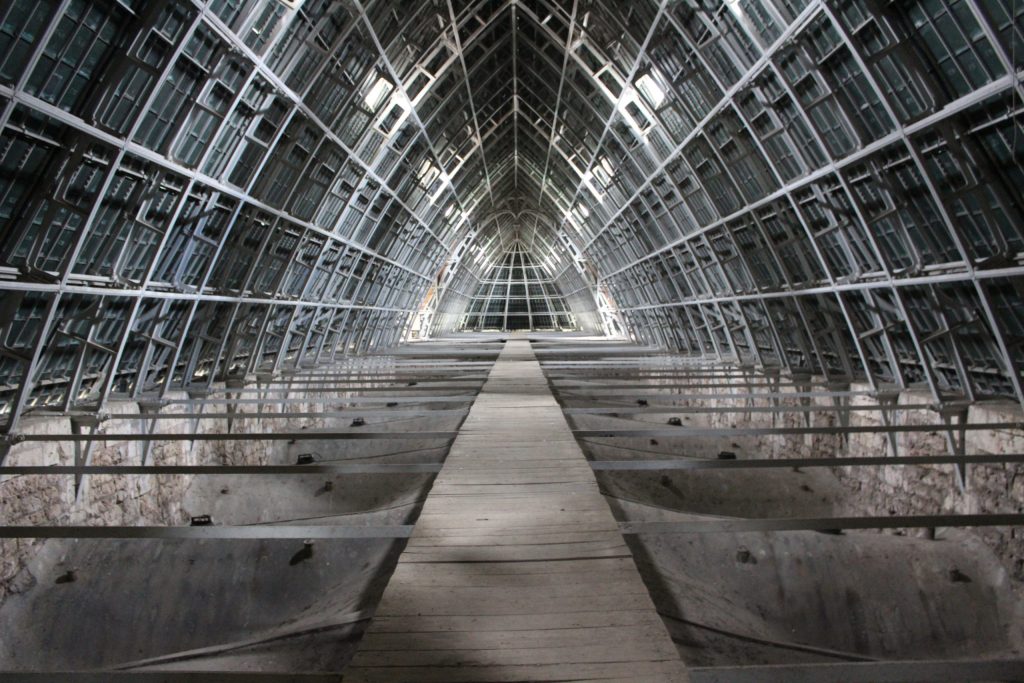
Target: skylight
[428, 173]
[380, 90]
[634, 112]
[651, 90]
[599, 177]
[588, 180]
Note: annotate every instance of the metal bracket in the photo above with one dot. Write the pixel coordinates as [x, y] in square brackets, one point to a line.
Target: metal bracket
[889, 399]
[956, 437]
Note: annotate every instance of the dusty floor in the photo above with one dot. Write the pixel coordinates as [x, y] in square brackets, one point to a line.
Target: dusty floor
[236, 604]
[787, 597]
[726, 598]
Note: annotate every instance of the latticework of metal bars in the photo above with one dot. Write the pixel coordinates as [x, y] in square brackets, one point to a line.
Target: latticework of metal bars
[518, 294]
[211, 188]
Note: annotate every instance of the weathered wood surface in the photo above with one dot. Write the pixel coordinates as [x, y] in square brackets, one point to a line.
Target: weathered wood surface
[516, 570]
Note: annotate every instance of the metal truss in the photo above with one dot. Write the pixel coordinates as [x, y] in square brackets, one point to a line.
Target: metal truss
[215, 188]
[782, 224]
[518, 294]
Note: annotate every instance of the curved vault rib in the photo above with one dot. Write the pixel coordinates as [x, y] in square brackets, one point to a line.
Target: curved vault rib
[201, 189]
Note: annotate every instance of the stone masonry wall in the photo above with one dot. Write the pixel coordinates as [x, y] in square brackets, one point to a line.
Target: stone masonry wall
[895, 490]
[934, 489]
[133, 500]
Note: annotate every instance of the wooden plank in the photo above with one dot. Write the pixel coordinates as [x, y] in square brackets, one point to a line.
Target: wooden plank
[489, 640]
[451, 489]
[468, 572]
[459, 555]
[447, 579]
[453, 538]
[537, 530]
[491, 601]
[645, 672]
[515, 622]
[516, 569]
[575, 653]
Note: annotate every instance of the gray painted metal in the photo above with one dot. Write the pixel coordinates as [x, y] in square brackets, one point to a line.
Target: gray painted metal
[723, 230]
[375, 414]
[457, 398]
[716, 526]
[165, 677]
[686, 432]
[392, 386]
[948, 671]
[319, 468]
[254, 532]
[602, 393]
[785, 463]
[672, 410]
[237, 436]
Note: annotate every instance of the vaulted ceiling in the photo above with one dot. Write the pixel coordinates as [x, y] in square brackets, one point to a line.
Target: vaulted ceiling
[205, 188]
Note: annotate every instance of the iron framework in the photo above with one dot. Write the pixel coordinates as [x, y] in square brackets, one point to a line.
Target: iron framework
[206, 189]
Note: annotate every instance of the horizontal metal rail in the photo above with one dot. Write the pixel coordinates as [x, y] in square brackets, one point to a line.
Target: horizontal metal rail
[165, 677]
[787, 463]
[714, 526]
[685, 432]
[435, 364]
[596, 465]
[669, 410]
[663, 374]
[663, 360]
[286, 380]
[408, 414]
[477, 356]
[240, 436]
[403, 362]
[318, 468]
[559, 385]
[703, 526]
[252, 532]
[933, 671]
[390, 387]
[587, 392]
[415, 387]
[456, 398]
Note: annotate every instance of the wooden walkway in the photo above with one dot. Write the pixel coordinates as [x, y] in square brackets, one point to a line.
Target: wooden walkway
[516, 570]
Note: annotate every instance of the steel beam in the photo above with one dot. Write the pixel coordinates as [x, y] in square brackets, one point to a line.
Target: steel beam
[245, 533]
[795, 463]
[916, 671]
[732, 525]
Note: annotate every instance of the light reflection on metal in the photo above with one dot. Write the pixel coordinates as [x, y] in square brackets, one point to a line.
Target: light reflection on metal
[217, 189]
